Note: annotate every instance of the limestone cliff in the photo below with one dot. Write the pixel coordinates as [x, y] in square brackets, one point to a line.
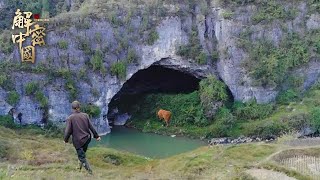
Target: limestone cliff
[145, 34]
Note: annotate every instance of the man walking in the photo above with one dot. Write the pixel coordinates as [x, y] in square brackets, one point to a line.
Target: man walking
[79, 126]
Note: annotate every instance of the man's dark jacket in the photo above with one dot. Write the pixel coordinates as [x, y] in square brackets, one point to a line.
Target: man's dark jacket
[79, 126]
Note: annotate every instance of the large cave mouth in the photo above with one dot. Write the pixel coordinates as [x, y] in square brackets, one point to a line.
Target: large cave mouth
[153, 80]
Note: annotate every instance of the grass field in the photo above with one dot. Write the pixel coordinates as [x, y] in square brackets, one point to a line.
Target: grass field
[26, 155]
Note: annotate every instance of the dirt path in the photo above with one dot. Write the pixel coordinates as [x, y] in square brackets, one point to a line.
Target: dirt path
[264, 174]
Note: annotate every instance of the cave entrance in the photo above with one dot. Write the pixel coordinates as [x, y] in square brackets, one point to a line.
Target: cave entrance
[153, 80]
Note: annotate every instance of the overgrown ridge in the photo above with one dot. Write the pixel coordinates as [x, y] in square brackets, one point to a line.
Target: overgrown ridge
[33, 153]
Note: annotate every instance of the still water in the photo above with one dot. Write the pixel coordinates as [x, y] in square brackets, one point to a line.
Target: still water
[146, 144]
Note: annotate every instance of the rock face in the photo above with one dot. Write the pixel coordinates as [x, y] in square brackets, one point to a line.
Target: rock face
[214, 31]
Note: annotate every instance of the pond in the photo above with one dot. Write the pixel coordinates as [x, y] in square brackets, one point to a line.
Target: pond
[147, 144]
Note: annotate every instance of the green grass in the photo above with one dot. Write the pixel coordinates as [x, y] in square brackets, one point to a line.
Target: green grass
[234, 120]
[270, 10]
[31, 88]
[119, 69]
[62, 44]
[13, 98]
[97, 62]
[34, 154]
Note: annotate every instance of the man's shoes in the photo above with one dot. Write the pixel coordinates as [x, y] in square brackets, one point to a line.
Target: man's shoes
[87, 166]
[80, 166]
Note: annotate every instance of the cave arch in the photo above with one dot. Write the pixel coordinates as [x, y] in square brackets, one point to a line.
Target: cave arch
[154, 79]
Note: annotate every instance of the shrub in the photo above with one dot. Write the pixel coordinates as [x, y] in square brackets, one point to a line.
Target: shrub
[52, 130]
[13, 98]
[31, 88]
[234, 3]
[6, 83]
[98, 37]
[215, 56]
[84, 45]
[153, 36]
[271, 10]
[193, 49]
[7, 121]
[132, 56]
[265, 129]
[211, 91]
[64, 73]
[92, 110]
[287, 96]
[314, 6]
[6, 45]
[227, 14]
[97, 62]
[269, 65]
[3, 79]
[315, 118]
[71, 87]
[251, 110]
[186, 109]
[42, 99]
[201, 58]
[119, 69]
[297, 122]
[62, 44]
[224, 121]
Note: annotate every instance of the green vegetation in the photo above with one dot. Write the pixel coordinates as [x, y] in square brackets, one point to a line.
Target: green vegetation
[314, 6]
[97, 63]
[6, 45]
[152, 37]
[235, 3]
[119, 69]
[70, 84]
[29, 153]
[287, 96]
[84, 45]
[272, 10]
[132, 57]
[227, 15]
[6, 83]
[232, 119]
[251, 110]
[92, 110]
[193, 49]
[13, 98]
[98, 37]
[269, 65]
[212, 90]
[31, 88]
[62, 44]
[42, 99]
[7, 121]
[71, 87]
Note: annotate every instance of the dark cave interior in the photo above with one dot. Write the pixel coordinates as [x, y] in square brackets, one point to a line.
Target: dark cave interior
[155, 79]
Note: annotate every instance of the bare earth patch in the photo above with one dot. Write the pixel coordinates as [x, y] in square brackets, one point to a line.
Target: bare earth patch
[264, 174]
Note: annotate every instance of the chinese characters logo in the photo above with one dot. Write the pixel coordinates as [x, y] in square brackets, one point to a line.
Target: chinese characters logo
[22, 21]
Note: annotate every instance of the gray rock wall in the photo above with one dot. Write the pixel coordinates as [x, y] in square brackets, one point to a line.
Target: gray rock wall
[214, 31]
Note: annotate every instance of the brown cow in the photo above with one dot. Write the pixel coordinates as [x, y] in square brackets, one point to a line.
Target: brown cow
[165, 115]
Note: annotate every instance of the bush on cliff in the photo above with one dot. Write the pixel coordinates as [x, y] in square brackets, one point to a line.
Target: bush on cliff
[251, 110]
[13, 98]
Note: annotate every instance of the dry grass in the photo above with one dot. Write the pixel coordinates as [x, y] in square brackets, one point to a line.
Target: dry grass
[305, 161]
[37, 157]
